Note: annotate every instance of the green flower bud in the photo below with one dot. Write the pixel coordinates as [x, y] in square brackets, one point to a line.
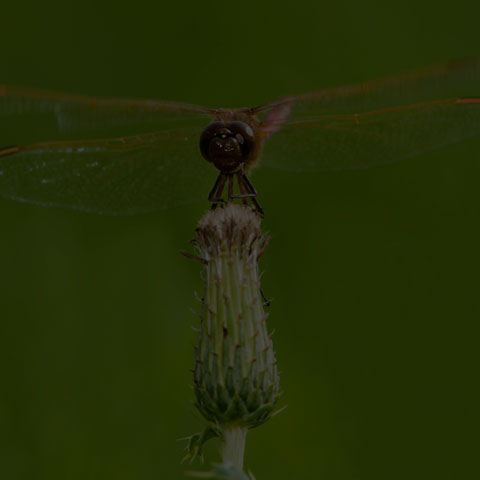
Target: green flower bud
[236, 381]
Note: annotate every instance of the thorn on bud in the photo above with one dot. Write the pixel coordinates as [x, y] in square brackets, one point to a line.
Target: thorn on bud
[196, 258]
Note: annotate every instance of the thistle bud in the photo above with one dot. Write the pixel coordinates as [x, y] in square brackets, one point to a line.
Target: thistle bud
[236, 381]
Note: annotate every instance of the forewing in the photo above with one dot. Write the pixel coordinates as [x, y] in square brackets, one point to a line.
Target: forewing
[30, 115]
[120, 176]
[373, 124]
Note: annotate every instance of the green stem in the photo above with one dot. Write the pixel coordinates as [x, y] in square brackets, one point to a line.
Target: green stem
[233, 449]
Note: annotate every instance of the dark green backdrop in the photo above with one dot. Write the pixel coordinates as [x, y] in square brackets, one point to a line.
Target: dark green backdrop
[374, 274]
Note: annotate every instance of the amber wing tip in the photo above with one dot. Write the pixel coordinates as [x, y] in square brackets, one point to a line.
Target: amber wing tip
[469, 100]
[9, 150]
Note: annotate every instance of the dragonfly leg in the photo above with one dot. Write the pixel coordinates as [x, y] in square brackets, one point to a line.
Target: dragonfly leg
[230, 187]
[247, 186]
[243, 192]
[247, 190]
[215, 195]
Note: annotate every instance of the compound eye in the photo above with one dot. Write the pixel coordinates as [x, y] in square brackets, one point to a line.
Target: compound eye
[244, 135]
[207, 135]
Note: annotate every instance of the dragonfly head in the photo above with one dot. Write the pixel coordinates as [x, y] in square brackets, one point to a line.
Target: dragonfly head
[227, 144]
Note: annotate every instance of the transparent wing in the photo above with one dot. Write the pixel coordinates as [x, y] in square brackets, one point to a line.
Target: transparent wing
[29, 115]
[375, 123]
[343, 142]
[124, 174]
[120, 176]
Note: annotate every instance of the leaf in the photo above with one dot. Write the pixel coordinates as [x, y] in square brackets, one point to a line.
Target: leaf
[196, 443]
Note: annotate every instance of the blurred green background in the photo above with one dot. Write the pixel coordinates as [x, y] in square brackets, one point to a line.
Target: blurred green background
[374, 274]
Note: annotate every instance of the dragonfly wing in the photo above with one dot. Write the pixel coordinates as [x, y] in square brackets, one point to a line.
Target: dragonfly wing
[345, 142]
[375, 123]
[119, 176]
[53, 114]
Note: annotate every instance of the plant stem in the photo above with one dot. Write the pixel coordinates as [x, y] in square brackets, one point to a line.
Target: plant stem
[233, 448]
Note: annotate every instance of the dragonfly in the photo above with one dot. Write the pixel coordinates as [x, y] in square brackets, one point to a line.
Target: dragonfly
[124, 157]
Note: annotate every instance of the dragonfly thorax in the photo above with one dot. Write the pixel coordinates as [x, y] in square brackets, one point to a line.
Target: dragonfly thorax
[227, 145]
